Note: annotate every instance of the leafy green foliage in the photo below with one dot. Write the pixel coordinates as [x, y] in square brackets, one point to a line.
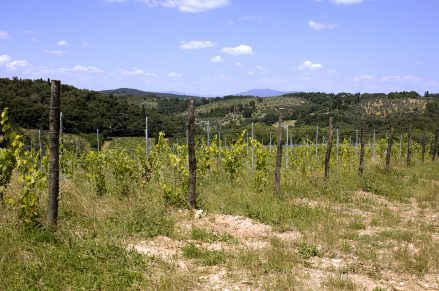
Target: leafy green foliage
[30, 177]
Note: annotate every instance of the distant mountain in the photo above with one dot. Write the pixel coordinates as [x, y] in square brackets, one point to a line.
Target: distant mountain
[121, 92]
[185, 94]
[263, 93]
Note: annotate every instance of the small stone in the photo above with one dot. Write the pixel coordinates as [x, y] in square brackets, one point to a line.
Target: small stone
[198, 213]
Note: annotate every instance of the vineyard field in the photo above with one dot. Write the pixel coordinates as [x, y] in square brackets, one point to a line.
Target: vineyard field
[125, 223]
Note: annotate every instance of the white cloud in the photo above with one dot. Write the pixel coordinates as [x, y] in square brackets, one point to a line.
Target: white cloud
[397, 78]
[259, 67]
[346, 2]
[310, 66]
[62, 43]
[238, 64]
[17, 64]
[216, 59]
[34, 39]
[151, 75]
[132, 73]
[4, 35]
[85, 44]
[55, 53]
[251, 73]
[4, 59]
[136, 72]
[183, 5]
[320, 26]
[239, 50]
[196, 44]
[193, 5]
[174, 75]
[418, 63]
[363, 78]
[86, 69]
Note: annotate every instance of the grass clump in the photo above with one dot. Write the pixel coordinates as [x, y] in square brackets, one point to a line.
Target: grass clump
[339, 282]
[207, 236]
[308, 250]
[205, 257]
[40, 259]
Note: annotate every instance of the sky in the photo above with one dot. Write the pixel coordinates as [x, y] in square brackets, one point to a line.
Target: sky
[218, 47]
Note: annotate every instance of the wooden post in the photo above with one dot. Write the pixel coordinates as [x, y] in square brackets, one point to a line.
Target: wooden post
[400, 146]
[54, 115]
[356, 142]
[219, 139]
[362, 152]
[208, 133]
[338, 144]
[146, 136]
[286, 150]
[97, 139]
[40, 150]
[328, 150]
[253, 147]
[435, 147]
[374, 145]
[409, 147]
[317, 142]
[389, 149]
[191, 156]
[278, 155]
[423, 144]
[270, 143]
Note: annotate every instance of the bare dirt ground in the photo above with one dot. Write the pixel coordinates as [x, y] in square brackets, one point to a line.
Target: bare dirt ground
[312, 273]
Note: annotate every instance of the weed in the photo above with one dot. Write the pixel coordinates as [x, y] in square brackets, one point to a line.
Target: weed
[205, 257]
[207, 236]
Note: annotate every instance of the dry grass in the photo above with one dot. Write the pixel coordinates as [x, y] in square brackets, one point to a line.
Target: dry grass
[317, 235]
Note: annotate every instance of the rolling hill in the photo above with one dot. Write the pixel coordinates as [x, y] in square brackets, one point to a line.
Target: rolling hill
[122, 92]
[263, 93]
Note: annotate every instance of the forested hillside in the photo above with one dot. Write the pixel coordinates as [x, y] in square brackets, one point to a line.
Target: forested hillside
[84, 111]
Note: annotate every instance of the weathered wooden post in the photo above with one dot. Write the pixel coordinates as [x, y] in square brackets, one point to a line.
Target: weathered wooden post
[253, 147]
[40, 151]
[337, 145]
[389, 149]
[356, 142]
[191, 156]
[97, 139]
[54, 125]
[146, 136]
[317, 142]
[286, 150]
[409, 147]
[328, 150]
[423, 145]
[362, 151]
[270, 144]
[435, 147]
[278, 156]
[400, 147]
[374, 145]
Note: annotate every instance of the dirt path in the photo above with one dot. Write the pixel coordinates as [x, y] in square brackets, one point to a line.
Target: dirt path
[233, 234]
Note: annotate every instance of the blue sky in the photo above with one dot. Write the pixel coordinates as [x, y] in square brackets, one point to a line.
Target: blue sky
[217, 47]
